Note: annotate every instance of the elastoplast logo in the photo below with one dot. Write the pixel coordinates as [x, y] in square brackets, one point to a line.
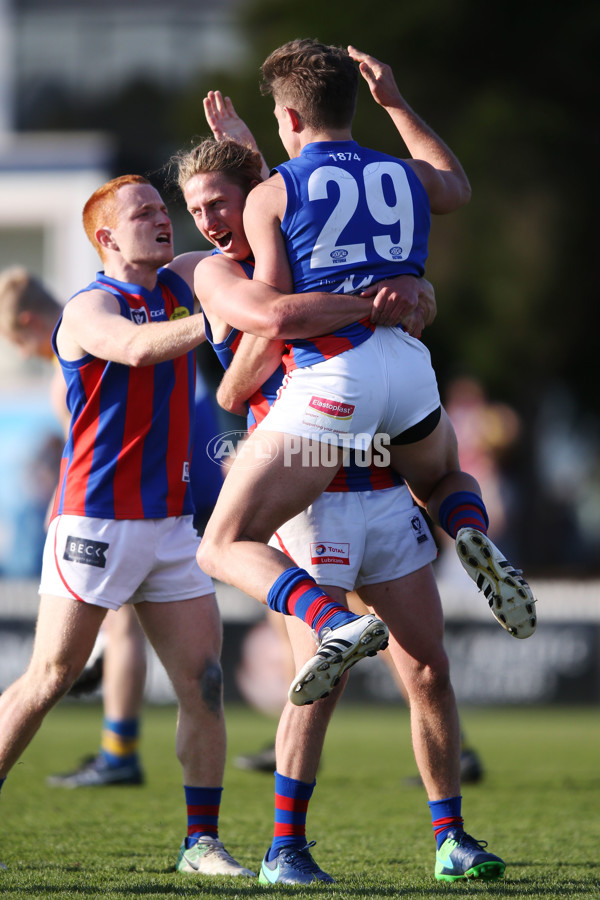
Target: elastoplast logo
[337, 409]
[237, 446]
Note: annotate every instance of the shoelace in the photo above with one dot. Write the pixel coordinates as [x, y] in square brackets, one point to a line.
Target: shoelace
[466, 840]
[301, 859]
[217, 847]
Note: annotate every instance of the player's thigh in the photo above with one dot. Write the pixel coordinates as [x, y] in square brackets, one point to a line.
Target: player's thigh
[187, 635]
[65, 633]
[412, 609]
[256, 499]
[425, 462]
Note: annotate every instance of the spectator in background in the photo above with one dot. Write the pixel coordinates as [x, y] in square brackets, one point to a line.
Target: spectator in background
[486, 431]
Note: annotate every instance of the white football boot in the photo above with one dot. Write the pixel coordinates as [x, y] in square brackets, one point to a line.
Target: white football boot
[508, 594]
[339, 649]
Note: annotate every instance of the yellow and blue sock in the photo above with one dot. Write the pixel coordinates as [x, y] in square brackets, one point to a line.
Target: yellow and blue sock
[203, 807]
[120, 739]
[291, 806]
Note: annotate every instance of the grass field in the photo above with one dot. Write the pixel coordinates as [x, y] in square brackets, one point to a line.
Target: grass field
[538, 808]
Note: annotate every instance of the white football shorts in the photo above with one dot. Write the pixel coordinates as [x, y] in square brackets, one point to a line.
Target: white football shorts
[349, 539]
[111, 562]
[386, 385]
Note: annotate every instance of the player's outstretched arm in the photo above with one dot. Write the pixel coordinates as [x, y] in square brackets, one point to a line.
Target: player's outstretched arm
[92, 323]
[224, 122]
[436, 165]
[258, 308]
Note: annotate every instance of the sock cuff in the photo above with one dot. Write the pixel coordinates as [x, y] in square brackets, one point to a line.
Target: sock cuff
[122, 727]
[452, 510]
[291, 787]
[280, 589]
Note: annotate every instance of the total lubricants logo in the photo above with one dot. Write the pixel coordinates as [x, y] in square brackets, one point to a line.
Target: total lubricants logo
[328, 553]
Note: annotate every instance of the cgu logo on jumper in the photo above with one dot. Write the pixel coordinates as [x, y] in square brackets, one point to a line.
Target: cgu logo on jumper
[335, 409]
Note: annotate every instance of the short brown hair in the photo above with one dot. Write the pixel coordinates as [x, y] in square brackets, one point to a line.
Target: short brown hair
[238, 163]
[100, 209]
[21, 292]
[319, 80]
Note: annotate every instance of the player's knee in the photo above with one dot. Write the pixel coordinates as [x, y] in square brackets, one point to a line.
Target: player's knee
[432, 679]
[207, 556]
[211, 685]
[51, 682]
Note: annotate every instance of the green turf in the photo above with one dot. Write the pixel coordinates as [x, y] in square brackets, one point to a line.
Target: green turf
[538, 808]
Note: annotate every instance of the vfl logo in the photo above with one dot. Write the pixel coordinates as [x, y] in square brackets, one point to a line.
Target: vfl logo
[339, 255]
[335, 409]
[417, 527]
[396, 252]
[83, 550]
[139, 316]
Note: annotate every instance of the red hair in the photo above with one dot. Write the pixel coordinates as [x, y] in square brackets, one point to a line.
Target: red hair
[101, 208]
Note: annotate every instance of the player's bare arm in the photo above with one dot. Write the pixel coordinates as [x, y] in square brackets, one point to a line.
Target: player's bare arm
[230, 300]
[92, 323]
[185, 265]
[263, 214]
[436, 165]
[254, 361]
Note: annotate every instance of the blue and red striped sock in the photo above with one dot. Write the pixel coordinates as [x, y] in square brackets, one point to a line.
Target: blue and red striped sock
[295, 593]
[445, 814]
[463, 509]
[203, 806]
[291, 805]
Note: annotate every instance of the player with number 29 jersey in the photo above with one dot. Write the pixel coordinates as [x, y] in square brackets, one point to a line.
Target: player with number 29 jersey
[353, 216]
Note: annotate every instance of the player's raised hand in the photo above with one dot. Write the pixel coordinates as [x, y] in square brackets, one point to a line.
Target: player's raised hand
[224, 122]
[378, 76]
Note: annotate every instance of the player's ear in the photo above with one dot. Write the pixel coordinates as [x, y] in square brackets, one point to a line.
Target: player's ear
[105, 239]
[294, 118]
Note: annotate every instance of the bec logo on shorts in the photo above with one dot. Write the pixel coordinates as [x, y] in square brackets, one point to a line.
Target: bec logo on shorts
[233, 446]
[86, 551]
[327, 553]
